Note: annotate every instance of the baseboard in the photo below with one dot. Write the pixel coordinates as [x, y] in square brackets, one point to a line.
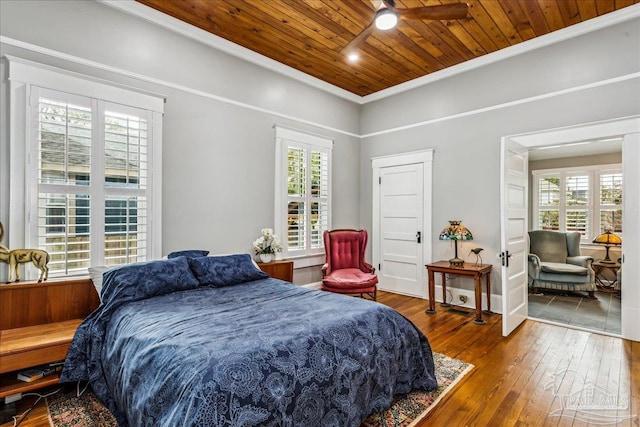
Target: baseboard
[313, 285]
[452, 297]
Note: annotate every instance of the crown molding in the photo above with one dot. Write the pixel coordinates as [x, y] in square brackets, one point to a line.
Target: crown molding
[141, 77]
[100, 66]
[494, 107]
[607, 20]
[151, 15]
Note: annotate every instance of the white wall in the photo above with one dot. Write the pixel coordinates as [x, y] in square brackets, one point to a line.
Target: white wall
[218, 137]
[464, 117]
[218, 142]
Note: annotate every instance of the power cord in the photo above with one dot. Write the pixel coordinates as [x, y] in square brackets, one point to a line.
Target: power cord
[450, 300]
[19, 418]
[81, 392]
[450, 295]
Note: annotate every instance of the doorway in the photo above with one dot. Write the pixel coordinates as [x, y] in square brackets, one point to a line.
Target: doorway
[629, 130]
[587, 174]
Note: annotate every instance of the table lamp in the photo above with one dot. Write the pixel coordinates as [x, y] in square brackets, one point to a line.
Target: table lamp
[455, 231]
[608, 239]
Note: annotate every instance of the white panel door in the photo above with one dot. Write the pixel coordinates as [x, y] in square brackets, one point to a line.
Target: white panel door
[514, 237]
[401, 193]
[630, 287]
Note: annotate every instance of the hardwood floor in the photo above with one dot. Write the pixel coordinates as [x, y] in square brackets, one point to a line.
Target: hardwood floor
[512, 383]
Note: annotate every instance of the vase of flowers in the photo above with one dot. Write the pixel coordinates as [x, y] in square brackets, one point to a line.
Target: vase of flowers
[267, 245]
[266, 257]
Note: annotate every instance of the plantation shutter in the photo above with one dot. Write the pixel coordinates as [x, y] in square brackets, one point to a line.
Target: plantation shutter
[319, 196]
[126, 179]
[585, 199]
[577, 202]
[549, 202]
[611, 202]
[297, 200]
[64, 128]
[306, 187]
[92, 181]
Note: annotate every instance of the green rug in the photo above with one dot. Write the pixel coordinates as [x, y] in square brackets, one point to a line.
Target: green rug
[66, 410]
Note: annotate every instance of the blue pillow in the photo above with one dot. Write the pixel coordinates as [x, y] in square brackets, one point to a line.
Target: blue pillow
[221, 271]
[192, 253]
[138, 281]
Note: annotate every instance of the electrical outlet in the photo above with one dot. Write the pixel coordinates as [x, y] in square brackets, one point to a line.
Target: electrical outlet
[463, 298]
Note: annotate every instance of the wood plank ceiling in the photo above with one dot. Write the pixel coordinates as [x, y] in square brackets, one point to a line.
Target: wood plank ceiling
[309, 35]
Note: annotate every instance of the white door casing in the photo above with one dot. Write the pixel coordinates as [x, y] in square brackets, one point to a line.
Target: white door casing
[401, 234]
[514, 237]
[630, 288]
[629, 129]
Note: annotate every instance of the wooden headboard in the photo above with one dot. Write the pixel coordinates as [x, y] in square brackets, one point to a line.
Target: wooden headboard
[32, 303]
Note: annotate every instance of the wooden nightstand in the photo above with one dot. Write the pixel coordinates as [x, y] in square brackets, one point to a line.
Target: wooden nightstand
[281, 269]
[37, 324]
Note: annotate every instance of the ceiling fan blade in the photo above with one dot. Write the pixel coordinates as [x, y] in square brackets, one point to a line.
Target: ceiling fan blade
[435, 13]
[355, 44]
[377, 4]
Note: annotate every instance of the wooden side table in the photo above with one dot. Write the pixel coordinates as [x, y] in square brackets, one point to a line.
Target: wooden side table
[602, 283]
[477, 271]
[280, 269]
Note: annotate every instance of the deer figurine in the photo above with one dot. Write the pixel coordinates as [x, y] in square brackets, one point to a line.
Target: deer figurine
[15, 257]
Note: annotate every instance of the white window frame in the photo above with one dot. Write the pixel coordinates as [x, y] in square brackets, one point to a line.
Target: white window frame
[24, 79]
[594, 207]
[292, 138]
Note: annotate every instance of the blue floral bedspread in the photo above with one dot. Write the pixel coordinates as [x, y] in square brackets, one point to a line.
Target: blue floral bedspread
[263, 352]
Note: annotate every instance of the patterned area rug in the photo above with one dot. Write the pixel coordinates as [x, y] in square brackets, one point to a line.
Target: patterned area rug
[66, 410]
[406, 410]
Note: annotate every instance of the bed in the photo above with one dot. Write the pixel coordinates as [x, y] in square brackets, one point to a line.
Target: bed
[214, 341]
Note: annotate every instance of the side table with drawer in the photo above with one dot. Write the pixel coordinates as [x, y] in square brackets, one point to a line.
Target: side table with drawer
[280, 269]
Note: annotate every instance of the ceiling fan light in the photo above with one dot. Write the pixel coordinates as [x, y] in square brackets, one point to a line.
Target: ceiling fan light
[353, 56]
[386, 19]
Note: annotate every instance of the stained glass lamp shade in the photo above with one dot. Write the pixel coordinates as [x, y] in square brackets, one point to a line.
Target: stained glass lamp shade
[455, 231]
[608, 239]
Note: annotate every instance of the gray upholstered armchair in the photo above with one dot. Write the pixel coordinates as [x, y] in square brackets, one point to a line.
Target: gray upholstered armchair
[555, 262]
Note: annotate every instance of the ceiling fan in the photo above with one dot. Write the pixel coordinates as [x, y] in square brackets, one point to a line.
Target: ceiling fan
[387, 16]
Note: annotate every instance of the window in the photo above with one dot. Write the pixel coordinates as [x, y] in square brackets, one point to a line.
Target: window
[91, 150]
[303, 188]
[92, 180]
[610, 202]
[586, 199]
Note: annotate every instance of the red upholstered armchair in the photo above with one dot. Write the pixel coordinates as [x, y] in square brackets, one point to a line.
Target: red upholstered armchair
[345, 270]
